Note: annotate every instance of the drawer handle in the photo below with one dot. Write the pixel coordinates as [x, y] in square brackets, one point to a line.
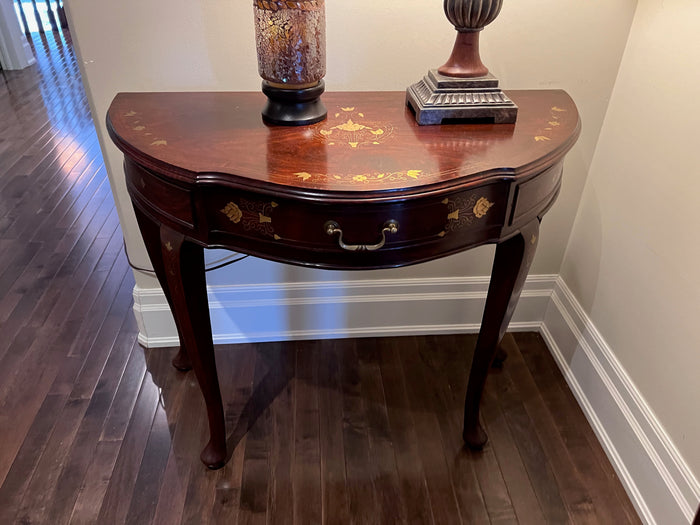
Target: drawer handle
[332, 227]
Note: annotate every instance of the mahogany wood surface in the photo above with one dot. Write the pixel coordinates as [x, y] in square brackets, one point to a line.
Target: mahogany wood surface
[220, 137]
[96, 429]
[203, 169]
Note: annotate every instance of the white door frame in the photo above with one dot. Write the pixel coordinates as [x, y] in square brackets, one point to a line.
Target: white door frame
[15, 52]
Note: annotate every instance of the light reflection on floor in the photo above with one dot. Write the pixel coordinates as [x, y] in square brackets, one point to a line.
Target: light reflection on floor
[43, 14]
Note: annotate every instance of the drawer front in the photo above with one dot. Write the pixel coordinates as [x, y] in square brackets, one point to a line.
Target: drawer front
[535, 194]
[166, 199]
[435, 225]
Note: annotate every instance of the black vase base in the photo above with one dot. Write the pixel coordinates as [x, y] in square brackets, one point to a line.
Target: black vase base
[293, 107]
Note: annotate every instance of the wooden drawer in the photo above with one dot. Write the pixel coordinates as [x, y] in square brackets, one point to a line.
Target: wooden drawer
[435, 224]
[167, 199]
[533, 196]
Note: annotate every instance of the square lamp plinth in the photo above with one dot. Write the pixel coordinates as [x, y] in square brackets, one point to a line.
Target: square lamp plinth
[437, 98]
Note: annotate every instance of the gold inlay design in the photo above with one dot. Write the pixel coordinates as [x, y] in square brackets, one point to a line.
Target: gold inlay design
[233, 212]
[252, 215]
[481, 207]
[349, 127]
[359, 178]
[463, 210]
[142, 129]
[543, 136]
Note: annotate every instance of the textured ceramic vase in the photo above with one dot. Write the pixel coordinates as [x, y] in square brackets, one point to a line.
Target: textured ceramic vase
[291, 42]
[469, 17]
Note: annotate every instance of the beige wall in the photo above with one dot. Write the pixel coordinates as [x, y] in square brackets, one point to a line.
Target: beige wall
[634, 252]
[136, 45]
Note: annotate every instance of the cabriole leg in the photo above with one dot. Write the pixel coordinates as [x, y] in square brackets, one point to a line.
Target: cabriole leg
[510, 267]
[150, 231]
[184, 268]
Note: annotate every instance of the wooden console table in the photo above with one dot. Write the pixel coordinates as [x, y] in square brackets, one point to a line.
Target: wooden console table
[365, 189]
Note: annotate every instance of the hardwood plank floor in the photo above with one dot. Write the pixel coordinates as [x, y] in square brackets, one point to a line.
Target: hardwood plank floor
[96, 429]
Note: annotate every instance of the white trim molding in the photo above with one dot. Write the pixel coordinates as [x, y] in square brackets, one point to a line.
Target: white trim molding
[15, 51]
[335, 309]
[657, 479]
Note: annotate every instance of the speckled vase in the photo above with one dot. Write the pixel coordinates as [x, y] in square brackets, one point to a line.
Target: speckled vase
[291, 47]
[291, 41]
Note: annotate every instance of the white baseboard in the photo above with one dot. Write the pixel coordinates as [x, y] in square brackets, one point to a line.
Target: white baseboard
[335, 309]
[658, 481]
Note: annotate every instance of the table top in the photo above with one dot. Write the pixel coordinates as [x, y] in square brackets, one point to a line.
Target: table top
[369, 143]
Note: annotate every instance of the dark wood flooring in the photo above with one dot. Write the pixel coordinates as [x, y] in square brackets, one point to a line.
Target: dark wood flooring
[95, 429]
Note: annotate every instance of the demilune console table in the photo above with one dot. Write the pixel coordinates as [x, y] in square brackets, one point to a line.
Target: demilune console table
[367, 188]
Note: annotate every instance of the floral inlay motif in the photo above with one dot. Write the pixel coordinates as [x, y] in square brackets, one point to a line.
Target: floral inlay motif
[481, 207]
[141, 129]
[360, 178]
[233, 212]
[543, 135]
[353, 130]
[348, 126]
[252, 215]
[463, 210]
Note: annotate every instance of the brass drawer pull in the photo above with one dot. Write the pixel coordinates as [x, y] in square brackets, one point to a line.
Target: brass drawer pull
[332, 227]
